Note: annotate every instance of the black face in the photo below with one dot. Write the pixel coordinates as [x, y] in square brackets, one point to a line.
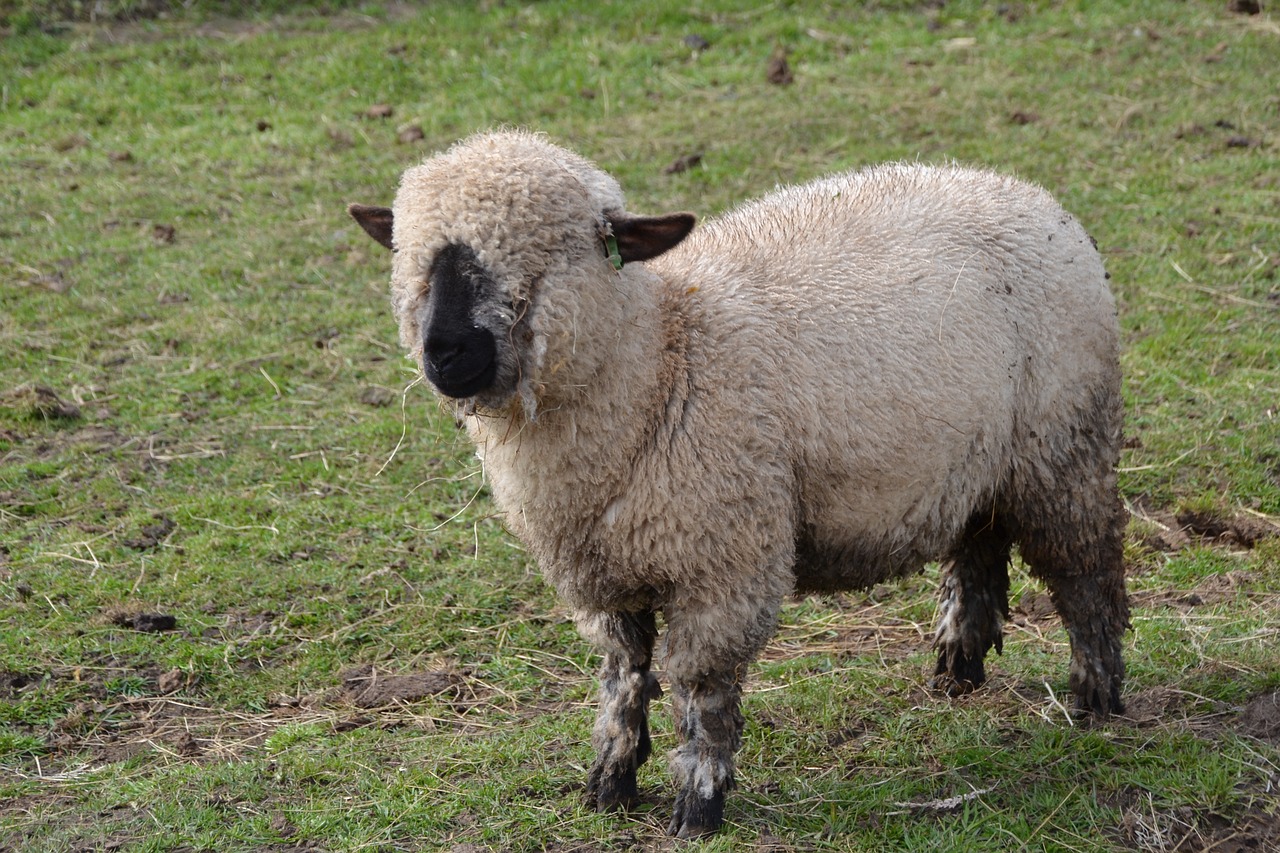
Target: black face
[459, 356]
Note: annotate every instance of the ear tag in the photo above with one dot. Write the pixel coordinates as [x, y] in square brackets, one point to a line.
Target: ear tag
[611, 246]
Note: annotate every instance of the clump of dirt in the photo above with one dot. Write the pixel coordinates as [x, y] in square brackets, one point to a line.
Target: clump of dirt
[683, 163]
[367, 687]
[1245, 7]
[11, 683]
[695, 42]
[40, 401]
[779, 70]
[1169, 532]
[1241, 530]
[1155, 706]
[410, 133]
[377, 396]
[1034, 606]
[172, 681]
[1261, 717]
[148, 623]
[152, 535]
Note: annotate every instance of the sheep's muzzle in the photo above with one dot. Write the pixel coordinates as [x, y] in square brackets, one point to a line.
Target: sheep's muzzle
[459, 350]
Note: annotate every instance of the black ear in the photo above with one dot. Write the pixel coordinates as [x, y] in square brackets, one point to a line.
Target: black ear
[643, 237]
[376, 221]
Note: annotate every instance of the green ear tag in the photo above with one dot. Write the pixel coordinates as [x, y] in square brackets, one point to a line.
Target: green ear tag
[611, 245]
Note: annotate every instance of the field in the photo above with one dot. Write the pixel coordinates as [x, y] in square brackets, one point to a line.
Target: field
[253, 593]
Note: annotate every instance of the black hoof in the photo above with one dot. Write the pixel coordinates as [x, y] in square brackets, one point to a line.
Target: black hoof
[613, 787]
[964, 675]
[1099, 703]
[695, 817]
[612, 791]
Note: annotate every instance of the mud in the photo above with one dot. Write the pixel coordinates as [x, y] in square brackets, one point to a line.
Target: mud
[148, 623]
[1261, 718]
[152, 535]
[1242, 531]
[1170, 532]
[367, 687]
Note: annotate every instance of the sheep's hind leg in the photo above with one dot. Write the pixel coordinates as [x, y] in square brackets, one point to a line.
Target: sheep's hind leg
[621, 734]
[709, 716]
[1080, 559]
[973, 605]
[1070, 531]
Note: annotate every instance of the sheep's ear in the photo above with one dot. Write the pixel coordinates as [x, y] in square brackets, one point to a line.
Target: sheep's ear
[376, 221]
[643, 237]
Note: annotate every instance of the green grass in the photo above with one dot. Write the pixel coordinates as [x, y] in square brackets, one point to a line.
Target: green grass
[176, 263]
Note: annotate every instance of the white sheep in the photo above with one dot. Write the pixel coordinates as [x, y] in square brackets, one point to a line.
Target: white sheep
[821, 390]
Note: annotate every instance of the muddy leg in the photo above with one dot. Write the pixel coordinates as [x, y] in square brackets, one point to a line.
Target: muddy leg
[1087, 588]
[713, 634]
[1075, 544]
[709, 719]
[973, 605]
[1096, 613]
[621, 734]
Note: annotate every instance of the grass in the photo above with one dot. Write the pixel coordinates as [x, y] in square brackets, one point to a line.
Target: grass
[226, 432]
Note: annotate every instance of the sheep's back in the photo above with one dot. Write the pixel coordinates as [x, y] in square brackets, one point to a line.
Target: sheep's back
[917, 325]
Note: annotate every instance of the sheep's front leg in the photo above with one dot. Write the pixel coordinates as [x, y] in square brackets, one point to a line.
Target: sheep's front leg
[709, 716]
[621, 735]
[711, 640]
[973, 605]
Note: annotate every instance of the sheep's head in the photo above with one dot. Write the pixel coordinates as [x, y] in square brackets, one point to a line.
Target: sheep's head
[500, 245]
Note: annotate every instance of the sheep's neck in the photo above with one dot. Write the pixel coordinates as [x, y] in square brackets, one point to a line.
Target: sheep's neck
[555, 476]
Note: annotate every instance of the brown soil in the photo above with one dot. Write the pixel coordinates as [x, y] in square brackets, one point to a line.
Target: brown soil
[1241, 530]
[1174, 531]
[367, 687]
[152, 535]
[148, 623]
[1261, 718]
[1256, 831]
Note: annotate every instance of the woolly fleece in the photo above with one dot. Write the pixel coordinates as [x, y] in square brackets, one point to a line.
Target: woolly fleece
[822, 389]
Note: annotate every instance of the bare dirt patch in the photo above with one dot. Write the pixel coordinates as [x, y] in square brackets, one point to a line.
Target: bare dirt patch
[1261, 718]
[1153, 706]
[1169, 531]
[367, 687]
[40, 401]
[12, 682]
[147, 623]
[1147, 826]
[100, 732]
[1255, 831]
[1169, 707]
[1214, 589]
[1240, 530]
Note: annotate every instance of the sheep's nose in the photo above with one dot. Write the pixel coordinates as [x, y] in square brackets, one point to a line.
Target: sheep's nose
[443, 356]
[460, 364]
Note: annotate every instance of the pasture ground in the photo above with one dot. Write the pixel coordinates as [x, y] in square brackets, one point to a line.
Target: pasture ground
[252, 592]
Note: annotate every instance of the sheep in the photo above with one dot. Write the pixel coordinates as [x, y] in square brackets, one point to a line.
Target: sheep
[822, 390]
